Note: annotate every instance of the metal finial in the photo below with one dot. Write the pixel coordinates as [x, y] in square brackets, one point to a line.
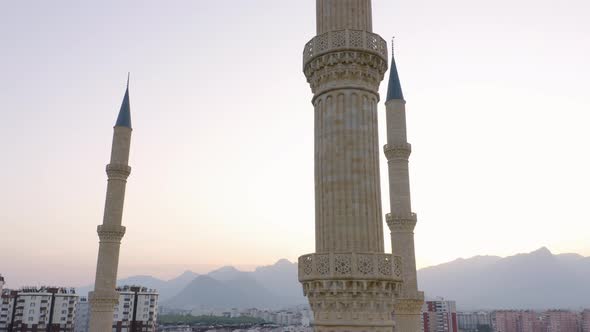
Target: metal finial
[392, 44]
[128, 74]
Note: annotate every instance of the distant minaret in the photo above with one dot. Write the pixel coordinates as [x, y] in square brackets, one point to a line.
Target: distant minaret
[401, 220]
[105, 297]
[349, 281]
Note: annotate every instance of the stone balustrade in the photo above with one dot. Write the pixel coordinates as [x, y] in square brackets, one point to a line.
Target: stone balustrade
[339, 40]
[342, 266]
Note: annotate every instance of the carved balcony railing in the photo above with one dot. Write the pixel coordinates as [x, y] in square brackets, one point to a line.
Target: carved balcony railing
[342, 266]
[344, 40]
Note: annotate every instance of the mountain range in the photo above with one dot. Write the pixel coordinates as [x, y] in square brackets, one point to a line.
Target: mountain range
[535, 280]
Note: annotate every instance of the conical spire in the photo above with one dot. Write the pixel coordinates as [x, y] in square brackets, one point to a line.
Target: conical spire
[124, 118]
[394, 88]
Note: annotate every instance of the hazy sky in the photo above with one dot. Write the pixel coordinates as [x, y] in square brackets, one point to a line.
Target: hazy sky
[222, 147]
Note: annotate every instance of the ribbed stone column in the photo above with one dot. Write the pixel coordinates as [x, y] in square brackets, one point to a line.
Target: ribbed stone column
[332, 15]
[104, 297]
[348, 195]
[350, 282]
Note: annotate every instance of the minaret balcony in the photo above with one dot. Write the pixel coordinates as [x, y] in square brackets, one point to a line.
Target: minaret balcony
[403, 224]
[397, 151]
[345, 59]
[350, 266]
[342, 40]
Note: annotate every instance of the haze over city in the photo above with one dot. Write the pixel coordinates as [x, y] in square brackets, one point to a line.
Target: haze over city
[222, 152]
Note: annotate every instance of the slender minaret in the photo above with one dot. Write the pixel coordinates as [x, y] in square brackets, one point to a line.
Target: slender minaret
[401, 220]
[105, 297]
[350, 282]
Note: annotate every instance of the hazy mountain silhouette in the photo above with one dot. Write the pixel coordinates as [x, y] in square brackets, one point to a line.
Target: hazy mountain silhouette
[226, 273]
[242, 292]
[537, 280]
[166, 289]
[267, 287]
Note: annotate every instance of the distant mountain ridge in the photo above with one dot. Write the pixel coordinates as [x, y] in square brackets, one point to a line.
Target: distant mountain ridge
[535, 280]
[270, 286]
[166, 288]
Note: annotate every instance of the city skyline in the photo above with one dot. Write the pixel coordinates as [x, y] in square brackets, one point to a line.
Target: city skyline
[211, 147]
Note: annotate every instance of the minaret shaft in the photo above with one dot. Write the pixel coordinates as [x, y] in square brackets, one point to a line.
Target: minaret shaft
[350, 282]
[402, 220]
[104, 298]
[399, 178]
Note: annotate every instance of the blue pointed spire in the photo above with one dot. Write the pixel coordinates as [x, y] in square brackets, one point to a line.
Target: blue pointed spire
[124, 118]
[394, 89]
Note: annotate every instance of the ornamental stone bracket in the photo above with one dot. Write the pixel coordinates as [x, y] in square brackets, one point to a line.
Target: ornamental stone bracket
[110, 233]
[397, 151]
[352, 290]
[118, 172]
[409, 306]
[401, 224]
[345, 59]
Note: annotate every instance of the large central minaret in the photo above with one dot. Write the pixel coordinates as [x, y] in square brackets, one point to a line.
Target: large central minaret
[105, 297]
[350, 282]
[401, 220]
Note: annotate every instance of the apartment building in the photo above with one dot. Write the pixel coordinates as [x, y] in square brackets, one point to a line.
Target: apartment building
[137, 310]
[439, 316]
[38, 309]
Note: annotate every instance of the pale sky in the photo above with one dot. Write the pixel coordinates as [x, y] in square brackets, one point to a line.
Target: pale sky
[222, 148]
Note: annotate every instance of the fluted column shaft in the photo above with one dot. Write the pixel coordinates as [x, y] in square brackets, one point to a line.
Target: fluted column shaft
[343, 14]
[104, 298]
[401, 220]
[348, 203]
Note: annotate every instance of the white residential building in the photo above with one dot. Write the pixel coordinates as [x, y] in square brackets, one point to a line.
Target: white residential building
[137, 310]
[37, 308]
[82, 321]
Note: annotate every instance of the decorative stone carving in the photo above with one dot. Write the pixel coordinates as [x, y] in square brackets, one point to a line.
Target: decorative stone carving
[110, 233]
[352, 303]
[345, 58]
[332, 41]
[401, 224]
[397, 151]
[345, 69]
[365, 266]
[409, 306]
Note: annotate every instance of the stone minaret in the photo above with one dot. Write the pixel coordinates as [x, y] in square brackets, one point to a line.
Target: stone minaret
[401, 220]
[105, 297]
[350, 282]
